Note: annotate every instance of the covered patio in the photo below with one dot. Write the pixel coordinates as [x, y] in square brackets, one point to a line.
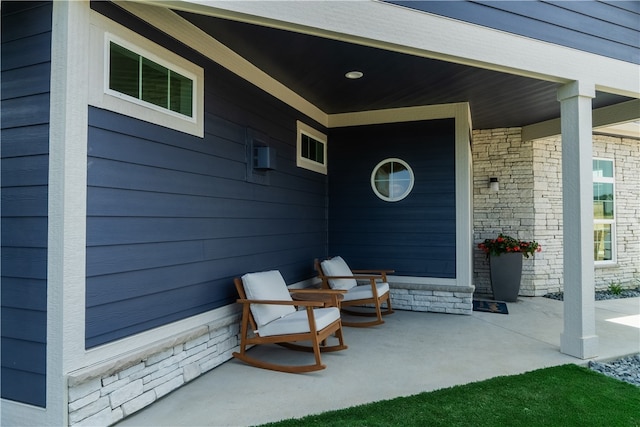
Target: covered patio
[132, 221]
[411, 353]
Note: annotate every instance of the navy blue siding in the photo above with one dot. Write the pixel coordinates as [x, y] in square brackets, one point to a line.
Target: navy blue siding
[415, 236]
[26, 64]
[607, 28]
[172, 218]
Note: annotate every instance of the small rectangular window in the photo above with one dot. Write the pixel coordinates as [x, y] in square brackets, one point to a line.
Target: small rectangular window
[124, 69]
[603, 211]
[136, 77]
[141, 78]
[181, 94]
[311, 149]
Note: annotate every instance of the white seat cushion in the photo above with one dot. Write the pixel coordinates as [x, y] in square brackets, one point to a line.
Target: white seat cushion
[364, 291]
[297, 322]
[267, 285]
[336, 266]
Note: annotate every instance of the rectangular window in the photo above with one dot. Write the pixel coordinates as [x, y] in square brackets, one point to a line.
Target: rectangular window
[134, 75]
[603, 211]
[311, 149]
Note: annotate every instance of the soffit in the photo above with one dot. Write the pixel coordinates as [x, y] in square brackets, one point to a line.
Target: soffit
[314, 67]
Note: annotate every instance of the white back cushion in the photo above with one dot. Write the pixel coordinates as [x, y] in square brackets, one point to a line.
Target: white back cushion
[336, 266]
[267, 285]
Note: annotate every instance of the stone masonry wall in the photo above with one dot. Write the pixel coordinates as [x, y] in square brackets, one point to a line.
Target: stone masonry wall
[502, 154]
[529, 205]
[548, 206]
[105, 394]
[432, 298]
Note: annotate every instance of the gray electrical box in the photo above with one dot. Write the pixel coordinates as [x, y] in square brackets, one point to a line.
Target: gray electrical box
[264, 158]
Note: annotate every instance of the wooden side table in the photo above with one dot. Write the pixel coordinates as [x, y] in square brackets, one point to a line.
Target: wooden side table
[329, 299]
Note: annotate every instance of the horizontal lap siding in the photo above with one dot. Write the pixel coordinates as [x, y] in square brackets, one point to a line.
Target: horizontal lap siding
[172, 218]
[607, 28]
[415, 236]
[26, 65]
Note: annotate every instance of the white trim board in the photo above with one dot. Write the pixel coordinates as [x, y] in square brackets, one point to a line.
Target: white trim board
[174, 25]
[395, 115]
[179, 28]
[66, 203]
[602, 117]
[400, 29]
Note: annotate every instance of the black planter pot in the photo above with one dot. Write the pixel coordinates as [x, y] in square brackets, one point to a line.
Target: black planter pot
[506, 272]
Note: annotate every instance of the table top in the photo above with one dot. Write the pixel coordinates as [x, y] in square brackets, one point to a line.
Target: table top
[327, 298]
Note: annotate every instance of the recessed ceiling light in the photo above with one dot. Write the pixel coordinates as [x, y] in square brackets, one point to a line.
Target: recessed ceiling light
[354, 75]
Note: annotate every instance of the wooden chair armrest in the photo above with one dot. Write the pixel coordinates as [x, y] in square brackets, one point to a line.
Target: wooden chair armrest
[356, 276]
[318, 291]
[373, 271]
[280, 302]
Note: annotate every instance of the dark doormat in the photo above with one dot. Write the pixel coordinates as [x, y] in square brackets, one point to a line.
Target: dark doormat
[490, 306]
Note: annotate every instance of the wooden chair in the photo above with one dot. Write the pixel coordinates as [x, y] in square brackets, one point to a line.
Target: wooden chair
[336, 274]
[270, 316]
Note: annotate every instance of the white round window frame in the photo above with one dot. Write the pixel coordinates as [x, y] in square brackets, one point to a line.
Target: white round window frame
[373, 180]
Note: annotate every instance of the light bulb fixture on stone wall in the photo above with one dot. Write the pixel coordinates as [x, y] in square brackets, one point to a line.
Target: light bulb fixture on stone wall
[493, 184]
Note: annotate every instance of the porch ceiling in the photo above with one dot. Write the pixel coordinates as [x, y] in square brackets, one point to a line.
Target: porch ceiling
[315, 67]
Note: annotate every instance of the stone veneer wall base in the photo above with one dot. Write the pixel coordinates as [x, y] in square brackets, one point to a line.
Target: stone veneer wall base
[104, 394]
[449, 299]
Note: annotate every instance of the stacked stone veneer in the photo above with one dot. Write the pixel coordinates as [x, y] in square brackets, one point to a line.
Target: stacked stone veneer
[529, 205]
[434, 298]
[501, 153]
[548, 206]
[102, 395]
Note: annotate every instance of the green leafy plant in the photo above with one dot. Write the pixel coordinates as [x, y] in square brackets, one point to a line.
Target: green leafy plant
[615, 288]
[506, 244]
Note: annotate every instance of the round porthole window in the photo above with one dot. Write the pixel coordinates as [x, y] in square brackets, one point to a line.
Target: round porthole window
[392, 180]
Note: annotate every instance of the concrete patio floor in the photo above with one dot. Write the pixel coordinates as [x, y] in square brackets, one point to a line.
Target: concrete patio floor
[411, 353]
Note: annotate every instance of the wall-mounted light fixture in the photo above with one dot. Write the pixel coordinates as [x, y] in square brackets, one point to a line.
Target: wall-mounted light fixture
[264, 158]
[493, 184]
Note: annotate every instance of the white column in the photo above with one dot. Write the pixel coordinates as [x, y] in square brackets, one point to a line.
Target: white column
[464, 195]
[578, 338]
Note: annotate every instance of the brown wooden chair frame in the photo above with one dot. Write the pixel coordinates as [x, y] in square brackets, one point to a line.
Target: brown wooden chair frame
[377, 301]
[316, 337]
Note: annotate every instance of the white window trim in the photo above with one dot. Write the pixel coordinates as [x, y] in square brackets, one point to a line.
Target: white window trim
[302, 162]
[103, 31]
[614, 253]
[373, 180]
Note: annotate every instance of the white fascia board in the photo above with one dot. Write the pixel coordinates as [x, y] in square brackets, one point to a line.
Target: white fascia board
[180, 29]
[394, 115]
[172, 24]
[602, 117]
[396, 28]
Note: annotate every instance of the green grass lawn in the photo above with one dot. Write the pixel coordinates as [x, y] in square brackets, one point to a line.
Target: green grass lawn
[567, 395]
